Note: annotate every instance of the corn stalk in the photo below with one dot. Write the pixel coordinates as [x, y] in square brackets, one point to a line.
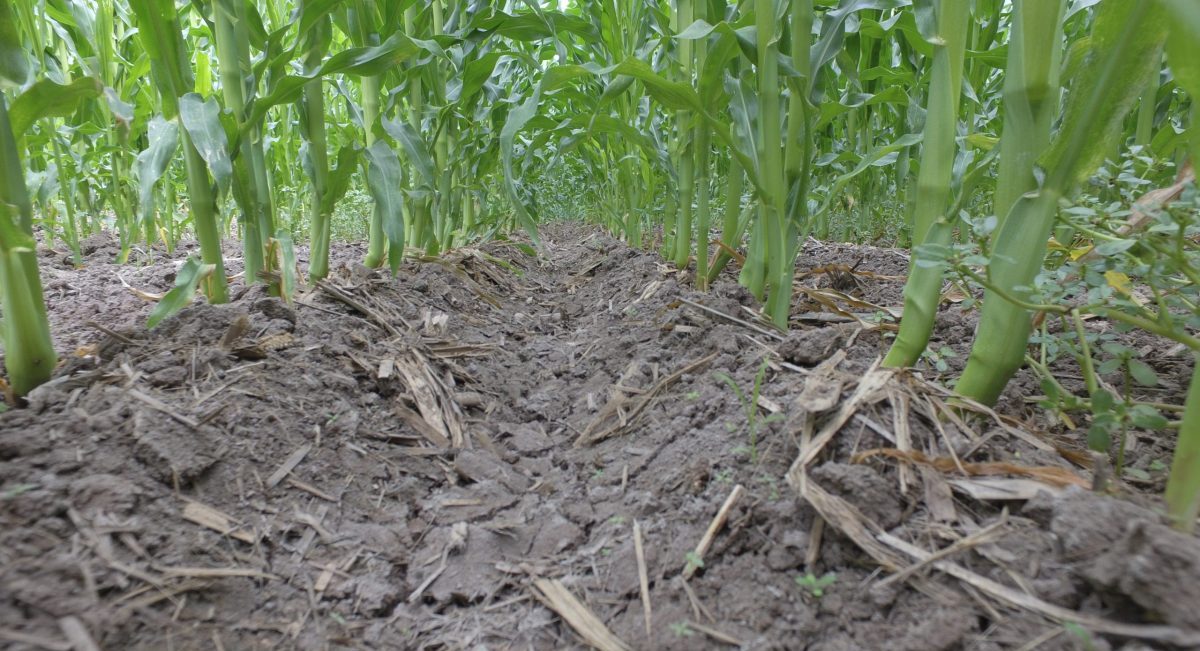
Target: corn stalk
[1125, 49]
[161, 36]
[932, 227]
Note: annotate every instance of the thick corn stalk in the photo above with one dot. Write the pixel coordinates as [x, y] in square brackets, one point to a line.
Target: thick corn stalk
[777, 232]
[931, 224]
[684, 147]
[162, 37]
[1031, 96]
[1126, 47]
[1183, 485]
[318, 153]
[251, 190]
[29, 357]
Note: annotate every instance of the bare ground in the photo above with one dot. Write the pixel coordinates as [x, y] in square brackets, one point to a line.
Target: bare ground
[469, 456]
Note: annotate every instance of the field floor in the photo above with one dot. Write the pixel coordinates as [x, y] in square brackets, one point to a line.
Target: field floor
[501, 451]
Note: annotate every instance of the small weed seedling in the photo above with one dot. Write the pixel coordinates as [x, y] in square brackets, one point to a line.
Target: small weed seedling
[681, 629]
[772, 485]
[937, 358]
[693, 562]
[816, 586]
[1081, 635]
[750, 406]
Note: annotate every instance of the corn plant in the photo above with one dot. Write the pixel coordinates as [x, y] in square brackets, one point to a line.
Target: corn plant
[1125, 48]
[29, 352]
[932, 223]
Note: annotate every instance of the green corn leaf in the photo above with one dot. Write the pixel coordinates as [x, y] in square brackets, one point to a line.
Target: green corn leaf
[202, 120]
[475, 75]
[362, 61]
[925, 15]
[833, 31]
[414, 147]
[831, 110]
[13, 238]
[187, 279]
[310, 12]
[614, 89]
[1077, 160]
[671, 94]
[385, 178]
[743, 107]
[153, 161]
[532, 27]
[1183, 54]
[517, 119]
[869, 160]
[14, 67]
[339, 178]
[1185, 17]
[46, 98]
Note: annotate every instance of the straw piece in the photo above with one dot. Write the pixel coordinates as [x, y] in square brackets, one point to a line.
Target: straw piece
[556, 597]
[714, 527]
[643, 575]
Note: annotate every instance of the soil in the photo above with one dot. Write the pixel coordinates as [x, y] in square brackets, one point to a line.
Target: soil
[471, 454]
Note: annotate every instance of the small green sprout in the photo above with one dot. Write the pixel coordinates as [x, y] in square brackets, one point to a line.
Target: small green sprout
[816, 586]
[681, 629]
[749, 403]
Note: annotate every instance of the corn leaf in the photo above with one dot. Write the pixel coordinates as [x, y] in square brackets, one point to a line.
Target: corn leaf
[187, 279]
[46, 98]
[152, 162]
[202, 120]
[385, 178]
[14, 69]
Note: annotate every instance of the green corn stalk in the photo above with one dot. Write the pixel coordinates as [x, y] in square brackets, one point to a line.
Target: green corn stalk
[685, 145]
[371, 89]
[732, 224]
[317, 42]
[419, 210]
[1126, 47]
[70, 228]
[799, 146]
[443, 206]
[252, 190]
[931, 224]
[1031, 96]
[162, 37]
[1183, 484]
[116, 138]
[777, 233]
[29, 357]
[703, 148]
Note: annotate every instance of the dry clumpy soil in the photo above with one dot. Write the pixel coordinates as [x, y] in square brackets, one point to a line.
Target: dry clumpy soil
[466, 456]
